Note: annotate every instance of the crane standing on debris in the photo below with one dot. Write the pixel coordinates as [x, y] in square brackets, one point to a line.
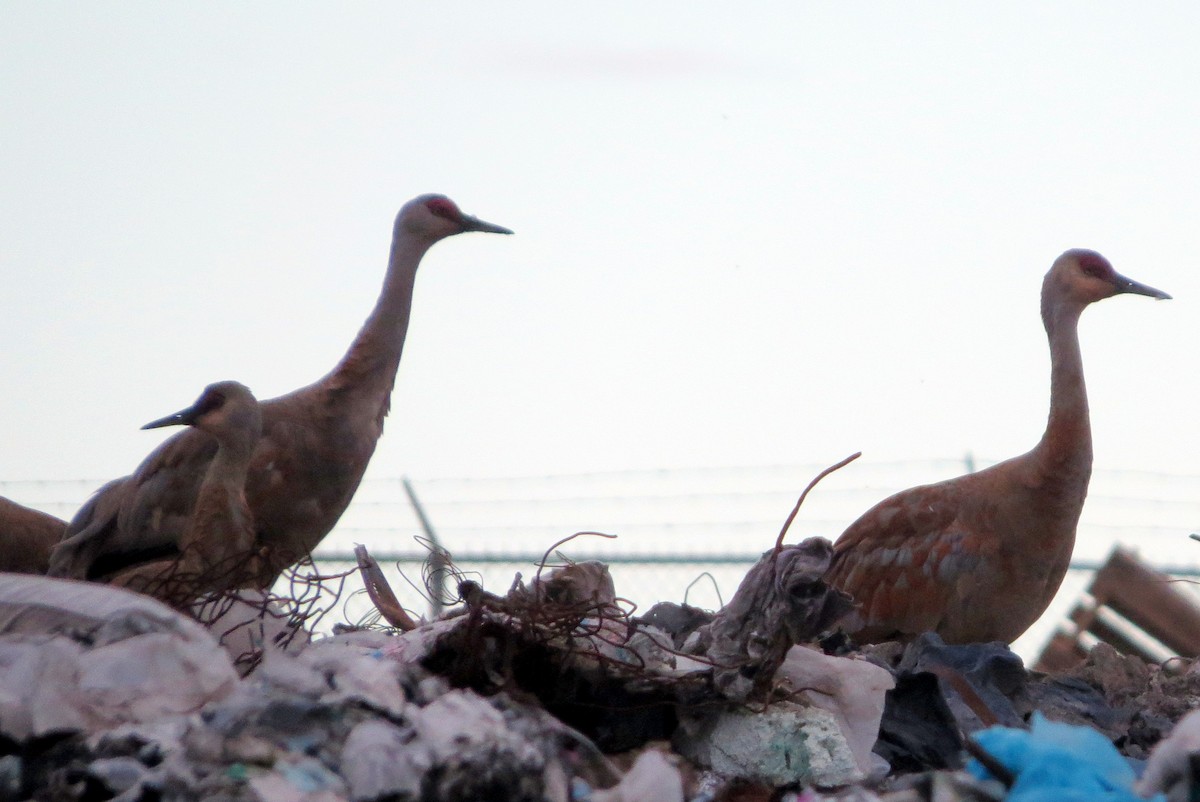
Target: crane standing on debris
[980, 557]
[26, 538]
[217, 550]
[315, 445]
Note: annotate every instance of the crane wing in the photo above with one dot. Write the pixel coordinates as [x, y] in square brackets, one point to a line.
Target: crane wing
[136, 517]
[910, 559]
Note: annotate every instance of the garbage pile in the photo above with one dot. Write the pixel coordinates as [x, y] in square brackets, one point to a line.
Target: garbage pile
[555, 692]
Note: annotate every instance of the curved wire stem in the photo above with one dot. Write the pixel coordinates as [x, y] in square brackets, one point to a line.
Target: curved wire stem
[811, 485]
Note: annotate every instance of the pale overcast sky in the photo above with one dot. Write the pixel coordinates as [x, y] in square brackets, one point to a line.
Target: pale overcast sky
[750, 233]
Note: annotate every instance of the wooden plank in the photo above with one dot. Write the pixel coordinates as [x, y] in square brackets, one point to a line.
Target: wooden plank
[1061, 653]
[1113, 636]
[1146, 598]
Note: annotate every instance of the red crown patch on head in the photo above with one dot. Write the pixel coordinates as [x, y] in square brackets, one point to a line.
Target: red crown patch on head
[443, 207]
[1095, 265]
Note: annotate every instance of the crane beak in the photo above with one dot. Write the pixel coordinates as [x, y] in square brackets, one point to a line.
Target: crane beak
[184, 417]
[470, 223]
[1124, 284]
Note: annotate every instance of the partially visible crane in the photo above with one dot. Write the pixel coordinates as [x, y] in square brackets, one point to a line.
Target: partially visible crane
[980, 557]
[27, 537]
[217, 550]
[315, 445]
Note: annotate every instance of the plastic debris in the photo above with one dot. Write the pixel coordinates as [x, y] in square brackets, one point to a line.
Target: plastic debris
[852, 690]
[1173, 765]
[938, 786]
[77, 657]
[918, 731]
[1054, 761]
[296, 778]
[677, 620]
[944, 691]
[246, 633]
[652, 778]
[381, 760]
[555, 692]
[979, 681]
[349, 669]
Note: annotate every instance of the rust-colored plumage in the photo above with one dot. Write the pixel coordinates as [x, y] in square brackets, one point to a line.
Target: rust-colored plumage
[980, 557]
[217, 550]
[26, 538]
[315, 445]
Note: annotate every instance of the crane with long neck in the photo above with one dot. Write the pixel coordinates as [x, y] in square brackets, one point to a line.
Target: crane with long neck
[315, 445]
[980, 557]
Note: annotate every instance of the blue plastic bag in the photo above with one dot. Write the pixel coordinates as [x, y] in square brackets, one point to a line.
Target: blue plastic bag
[1055, 762]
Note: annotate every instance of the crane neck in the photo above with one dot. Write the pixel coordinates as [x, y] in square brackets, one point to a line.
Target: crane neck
[221, 524]
[1065, 450]
[368, 370]
[231, 464]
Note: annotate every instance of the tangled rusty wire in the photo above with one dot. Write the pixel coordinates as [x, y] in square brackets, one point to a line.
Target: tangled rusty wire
[570, 619]
[569, 616]
[246, 609]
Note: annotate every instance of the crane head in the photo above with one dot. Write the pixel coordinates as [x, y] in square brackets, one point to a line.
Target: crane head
[1085, 276]
[434, 217]
[223, 407]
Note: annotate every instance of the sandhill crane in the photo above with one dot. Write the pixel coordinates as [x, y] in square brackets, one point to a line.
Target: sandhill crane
[315, 445]
[217, 548]
[26, 538]
[980, 557]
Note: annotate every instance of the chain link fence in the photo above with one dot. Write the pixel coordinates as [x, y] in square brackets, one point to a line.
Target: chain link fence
[687, 534]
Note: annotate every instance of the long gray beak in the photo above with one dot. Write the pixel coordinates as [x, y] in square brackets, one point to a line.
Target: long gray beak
[470, 223]
[1124, 284]
[183, 417]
